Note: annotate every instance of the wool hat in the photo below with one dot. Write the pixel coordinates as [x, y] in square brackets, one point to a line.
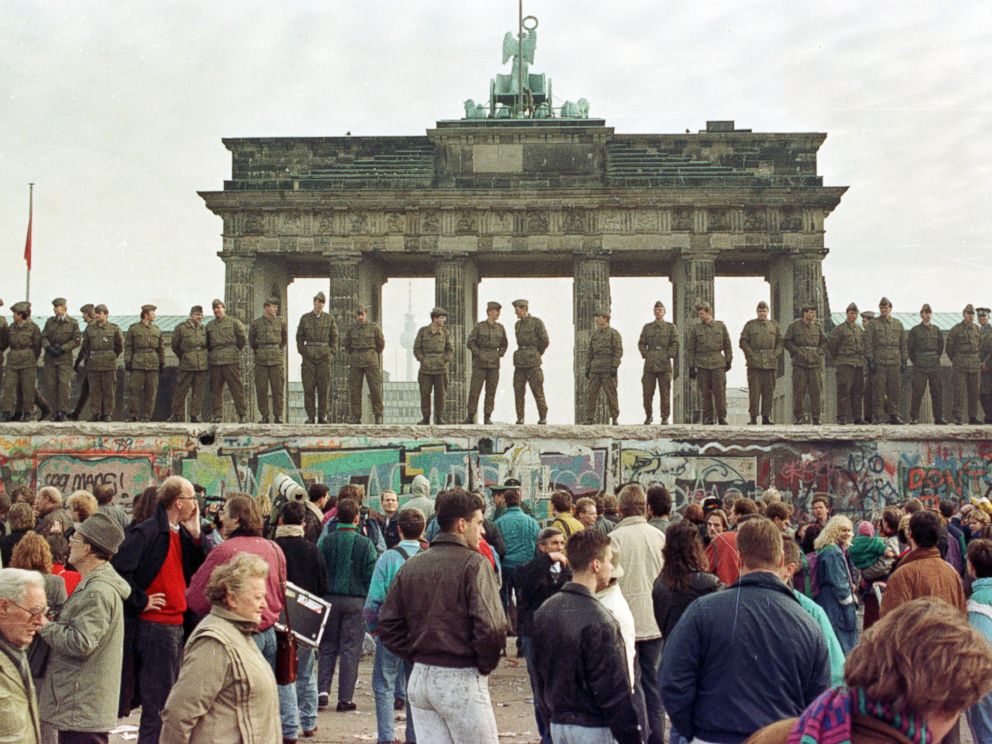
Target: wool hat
[102, 531]
[361, 310]
[601, 312]
[866, 529]
[507, 485]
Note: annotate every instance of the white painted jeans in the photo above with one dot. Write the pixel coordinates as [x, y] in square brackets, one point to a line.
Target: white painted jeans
[451, 706]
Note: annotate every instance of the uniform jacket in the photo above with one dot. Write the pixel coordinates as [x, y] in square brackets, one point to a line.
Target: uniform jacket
[985, 352]
[963, 346]
[806, 343]
[226, 338]
[520, 532]
[189, 344]
[580, 665]
[267, 338]
[847, 344]
[708, 345]
[708, 679]
[640, 546]
[444, 609]
[364, 343]
[59, 338]
[659, 345]
[534, 583]
[24, 342]
[317, 337]
[923, 573]
[144, 347]
[433, 350]
[80, 689]
[488, 344]
[226, 692]
[4, 338]
[532, 342]
[925, 344]
[761, 342]
[18, 704]
[605, 351]
[885, 342]
[102, 344]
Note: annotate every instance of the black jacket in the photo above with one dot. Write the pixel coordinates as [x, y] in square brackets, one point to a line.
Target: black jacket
[304, 564]
[534, 583]
[580, 665]
[143, 552]
[669, 604]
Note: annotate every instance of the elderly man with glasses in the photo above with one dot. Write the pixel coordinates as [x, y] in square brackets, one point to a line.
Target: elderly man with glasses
[23, 612]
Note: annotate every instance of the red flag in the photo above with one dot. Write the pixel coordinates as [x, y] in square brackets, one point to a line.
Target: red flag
[27, 241]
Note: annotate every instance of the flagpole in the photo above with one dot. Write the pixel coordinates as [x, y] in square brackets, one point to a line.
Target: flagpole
[27, 248]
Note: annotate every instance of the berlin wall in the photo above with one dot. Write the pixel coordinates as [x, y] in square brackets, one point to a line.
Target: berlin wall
[864, 469]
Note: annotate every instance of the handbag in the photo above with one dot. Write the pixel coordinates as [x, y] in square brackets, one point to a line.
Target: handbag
[285, 649]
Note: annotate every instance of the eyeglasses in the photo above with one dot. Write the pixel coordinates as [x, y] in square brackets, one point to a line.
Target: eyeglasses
[36, 614]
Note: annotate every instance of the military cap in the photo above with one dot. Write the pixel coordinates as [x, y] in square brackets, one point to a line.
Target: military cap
[520, 303]
[507, 485]
[807, 307]
[101, 308]
[702, 305]
[885, 302]
[926, 308]
[984, 311]
[148, 308]
[762, 305]
[969, 309]
[320, 296]
[601, 312]
[851, 307]
[59, 301]
[271, 301]
[218, 303]
[196, 309]
[868, 314]
[87, 308]
[361, 310]
[439, 311]
[659, 303]
[493, 305]
[19, 307]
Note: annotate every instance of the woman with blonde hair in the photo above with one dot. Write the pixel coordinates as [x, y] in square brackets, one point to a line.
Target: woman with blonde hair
[81, 505]
[908, 680]
[833, 577]
[226, 691]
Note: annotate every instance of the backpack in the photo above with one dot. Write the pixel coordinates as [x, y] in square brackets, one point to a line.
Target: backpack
[809, 575]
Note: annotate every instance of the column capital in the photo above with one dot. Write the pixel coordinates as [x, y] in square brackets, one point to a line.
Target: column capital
[347, 257]
[808, 254]
[235, 257]
[697, 254]
[602, 254]
[457, 256]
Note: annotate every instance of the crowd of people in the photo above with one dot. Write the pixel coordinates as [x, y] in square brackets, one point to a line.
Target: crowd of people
[724, 623]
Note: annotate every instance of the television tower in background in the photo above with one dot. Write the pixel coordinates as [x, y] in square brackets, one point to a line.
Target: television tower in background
[409, 333]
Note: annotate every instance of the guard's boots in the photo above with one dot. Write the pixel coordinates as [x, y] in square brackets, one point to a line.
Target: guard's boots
[520, 422]
[488, 421]
[723, 422]
[615, 422]
[767, 421]
[939, 421]
[894, 419]
[264, 420]
[816, 422]
[753, 421]
[322, 419]
[438, 421]
[378, 419]
[975, 421]
[278, 419]
[470, 419]
[45, 410]
[541, 421]
[242, 419]
[424, 422]
[647, 419]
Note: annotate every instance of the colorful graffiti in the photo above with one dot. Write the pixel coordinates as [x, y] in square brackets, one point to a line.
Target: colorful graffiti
[862, 477]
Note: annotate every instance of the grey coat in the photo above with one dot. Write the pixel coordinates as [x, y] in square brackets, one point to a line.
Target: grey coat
[81, 686]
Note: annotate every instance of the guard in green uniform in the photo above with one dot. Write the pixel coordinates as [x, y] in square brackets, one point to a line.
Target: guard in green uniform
[189, 344]
[226, 337]
[925, 344]
[84, 384]
[602, 360]
[434, 351]
[144, 359]
[24, 341]
[532, 342]
[985, 355]
[317, 342]
[488, 344]
[267, 337]
[964, 345]
[103, 343]
[807, 345]
[709, 355]
[761, 342]
[58, 338]
[888, 357]
[659, 345]
[4, 343]
[847, 345]
[868, 400]
[364, 343]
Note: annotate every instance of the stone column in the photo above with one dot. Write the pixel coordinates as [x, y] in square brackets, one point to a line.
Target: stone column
[342, 301]
[370, 280]
[692, 280]
[807, 282]
[456, 288]
[239, 297]
[590, 291]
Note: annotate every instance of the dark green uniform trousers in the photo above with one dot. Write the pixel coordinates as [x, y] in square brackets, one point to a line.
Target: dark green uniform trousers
[480, 377]
[103, 392]
[886, 385]
[142, 388]
[438, 384]
[356, 377]
[712, 384]
[316, 377]
[920, 378]
[230, 375]
[850, 393]
[606, 382]
[806, 380]
[663, 381]
[533, 376]
[965, 391]
[186, 379]
[270, 378]
[760, 392]
[19, 390]
[60, 379]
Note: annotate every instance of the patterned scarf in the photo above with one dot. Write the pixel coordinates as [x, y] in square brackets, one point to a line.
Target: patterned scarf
[828, 719]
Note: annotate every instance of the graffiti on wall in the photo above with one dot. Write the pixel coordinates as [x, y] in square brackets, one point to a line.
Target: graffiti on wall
[861, 477]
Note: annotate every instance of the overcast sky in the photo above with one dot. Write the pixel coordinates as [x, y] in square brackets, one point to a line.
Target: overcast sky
[116, 110]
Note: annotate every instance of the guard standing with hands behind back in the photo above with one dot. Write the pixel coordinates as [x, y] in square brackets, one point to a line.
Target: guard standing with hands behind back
[59, 337]
[317, 342]
[710, 354]
[659, 345]
[761, 342]
[267, 338]
[532, 342]
[602, 360]
[434, 351]
[103, 343]
[144, 359]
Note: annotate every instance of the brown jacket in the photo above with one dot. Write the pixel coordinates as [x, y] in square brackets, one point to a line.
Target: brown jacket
[923, 573]
[864, 730]
[444, 609]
